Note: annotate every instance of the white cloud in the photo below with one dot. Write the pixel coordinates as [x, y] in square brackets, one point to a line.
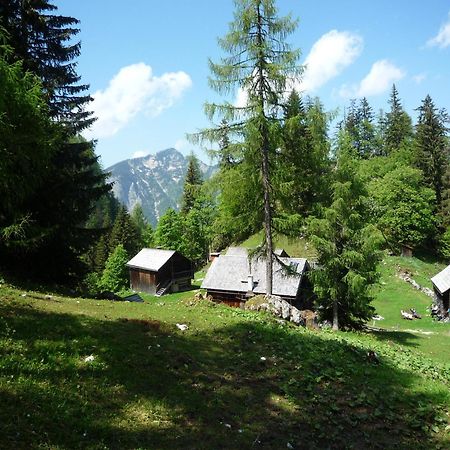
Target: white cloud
[380, 78]
[442, 39]
[140, 154]
[419, 78]
[328, 57]
[133, 90]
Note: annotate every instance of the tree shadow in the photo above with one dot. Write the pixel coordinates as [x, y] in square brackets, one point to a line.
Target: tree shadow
[245, 385]
[399, 337]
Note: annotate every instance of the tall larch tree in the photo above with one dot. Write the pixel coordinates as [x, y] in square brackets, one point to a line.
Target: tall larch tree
[258, 63]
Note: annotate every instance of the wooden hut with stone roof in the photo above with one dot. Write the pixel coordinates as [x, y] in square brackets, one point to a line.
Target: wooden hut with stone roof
[235, 277]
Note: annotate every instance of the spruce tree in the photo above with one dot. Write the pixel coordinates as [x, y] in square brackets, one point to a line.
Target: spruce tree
[148, 237]
[43, 40]
[367, 143]
[124, 232]
[347, 247]
[292, 177]
[431, 151]
[358, 123]
[398, 124]
[302, 162]
[192, 184]
[140, 222]
[259, 63]
[27, 145]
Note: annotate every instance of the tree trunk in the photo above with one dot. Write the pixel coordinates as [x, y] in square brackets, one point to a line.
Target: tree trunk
[335, 316]
[264, 136]
[267, 221]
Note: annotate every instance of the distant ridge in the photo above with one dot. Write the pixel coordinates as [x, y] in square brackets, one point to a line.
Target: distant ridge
[155, 181]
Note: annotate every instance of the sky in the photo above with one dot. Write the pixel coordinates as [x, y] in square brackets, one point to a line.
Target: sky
[147, 62]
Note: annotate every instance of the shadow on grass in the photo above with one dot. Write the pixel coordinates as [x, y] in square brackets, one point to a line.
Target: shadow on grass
[399, 337]
[247, 385]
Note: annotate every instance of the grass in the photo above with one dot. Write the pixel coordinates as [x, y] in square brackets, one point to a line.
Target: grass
[295, 247]
[393, 294]
[234, 379]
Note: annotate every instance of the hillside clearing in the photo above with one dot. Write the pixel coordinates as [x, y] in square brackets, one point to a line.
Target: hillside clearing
[96, 374]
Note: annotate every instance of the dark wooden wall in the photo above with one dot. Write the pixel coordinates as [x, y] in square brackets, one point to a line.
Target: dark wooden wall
[143, 281]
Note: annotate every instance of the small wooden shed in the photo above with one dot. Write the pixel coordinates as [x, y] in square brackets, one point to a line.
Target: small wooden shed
[441, 286]
[158, 272]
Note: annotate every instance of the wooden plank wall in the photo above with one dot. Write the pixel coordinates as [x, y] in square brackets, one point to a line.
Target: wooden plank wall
[143, 281]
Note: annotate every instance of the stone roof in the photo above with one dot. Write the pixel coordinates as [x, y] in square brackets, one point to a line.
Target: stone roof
[150, 259]
[442, 280]
[230, 273]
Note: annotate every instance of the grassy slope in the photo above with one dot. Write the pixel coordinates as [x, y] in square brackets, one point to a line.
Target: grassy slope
[425, 335]
[393, 294]
[294, 247]
[153, 386]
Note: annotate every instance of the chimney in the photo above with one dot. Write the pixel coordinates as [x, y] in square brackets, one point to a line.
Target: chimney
[250, 283]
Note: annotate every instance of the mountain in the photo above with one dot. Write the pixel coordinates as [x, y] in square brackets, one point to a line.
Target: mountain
[155, 181]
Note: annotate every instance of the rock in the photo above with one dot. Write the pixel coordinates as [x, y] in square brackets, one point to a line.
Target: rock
[257, 303]
[296, 316]
[285, 311]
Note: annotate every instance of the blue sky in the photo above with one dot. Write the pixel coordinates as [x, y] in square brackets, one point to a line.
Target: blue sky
[147, 61]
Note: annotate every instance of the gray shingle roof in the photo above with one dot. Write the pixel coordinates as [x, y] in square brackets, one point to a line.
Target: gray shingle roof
[150, 259]
[442, 280]
[230, 273]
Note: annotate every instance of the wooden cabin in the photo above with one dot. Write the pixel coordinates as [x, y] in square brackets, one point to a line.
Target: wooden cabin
[159, 272]
[441, 287]
[235, 277]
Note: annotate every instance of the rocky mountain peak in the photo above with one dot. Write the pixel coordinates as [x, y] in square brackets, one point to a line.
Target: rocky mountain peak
[155, 181]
